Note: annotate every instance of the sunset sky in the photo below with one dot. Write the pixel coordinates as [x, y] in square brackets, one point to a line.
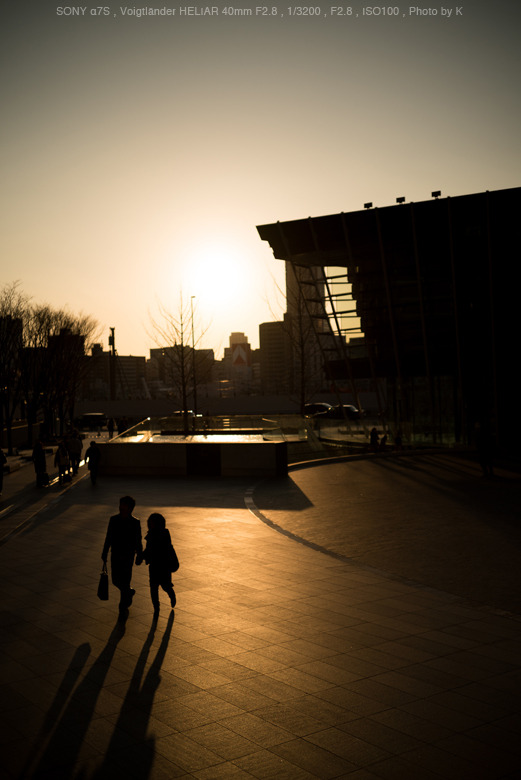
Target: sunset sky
[138, 154]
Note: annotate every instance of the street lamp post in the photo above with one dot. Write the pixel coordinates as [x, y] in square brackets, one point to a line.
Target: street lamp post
[193, 356]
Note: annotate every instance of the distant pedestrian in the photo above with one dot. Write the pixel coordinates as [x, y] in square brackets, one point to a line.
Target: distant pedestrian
[383, 443]
[40, 464]
[110, 427]
[61, 460]
[92, 459]
[162, 559]
[123, 539]
[3, 461]
[74, 448]
[373, 439]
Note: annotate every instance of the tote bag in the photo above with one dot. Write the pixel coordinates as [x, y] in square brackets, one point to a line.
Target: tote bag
[103, 586]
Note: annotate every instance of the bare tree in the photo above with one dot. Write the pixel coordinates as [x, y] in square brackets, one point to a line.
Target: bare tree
[306, 370]
[172, 333]
[53, 361]
[35, 377]
[42, 359]
[13, 305]
[68, 341]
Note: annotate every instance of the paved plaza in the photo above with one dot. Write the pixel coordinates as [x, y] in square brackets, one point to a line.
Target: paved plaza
[357, 619]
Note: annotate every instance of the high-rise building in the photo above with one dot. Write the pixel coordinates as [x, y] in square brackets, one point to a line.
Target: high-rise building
[434, 288]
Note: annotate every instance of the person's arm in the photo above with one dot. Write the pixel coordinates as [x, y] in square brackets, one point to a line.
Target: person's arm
[139, 544]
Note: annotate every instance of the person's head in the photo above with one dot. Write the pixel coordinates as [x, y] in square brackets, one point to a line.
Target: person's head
[156, 521]
[126, 505]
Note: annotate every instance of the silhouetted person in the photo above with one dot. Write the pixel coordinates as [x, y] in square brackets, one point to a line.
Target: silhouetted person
[373, 439]
[40, 464]
[159, 553]
[124, 540]
[92, 459]
[110, 427]
[61, 460]
[3, 461]
[383, 443]
[74, 447]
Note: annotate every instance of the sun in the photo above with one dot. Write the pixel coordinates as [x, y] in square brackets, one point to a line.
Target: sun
[216, 274]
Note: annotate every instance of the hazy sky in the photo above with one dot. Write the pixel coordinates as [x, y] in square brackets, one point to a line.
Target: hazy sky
[139, 153]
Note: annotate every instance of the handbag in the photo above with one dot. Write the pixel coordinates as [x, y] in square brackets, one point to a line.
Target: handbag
[103, 585]
[173, 559]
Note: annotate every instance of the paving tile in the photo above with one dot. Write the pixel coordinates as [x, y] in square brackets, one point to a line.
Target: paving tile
[301, 680]
[198, 676]
[486, 760]
[357, 702]
[314, 759]
[387, 695]
[186, 753]
[209, 704]
[381, 657]
[398, 768]
[440, 715]
[266, 765]
[327, 712]
[329, 672]
[241, 696]
[392, 740]
[346, 745]
[256, 729]
[413, 724]
[222, 741]
[403, 682]
[272, 688]
[448, 764]
[289, 718]
[225, 771]
[228, 669]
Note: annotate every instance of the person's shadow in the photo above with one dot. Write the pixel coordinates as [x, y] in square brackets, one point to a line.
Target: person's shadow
[60, 756]
[129, 745]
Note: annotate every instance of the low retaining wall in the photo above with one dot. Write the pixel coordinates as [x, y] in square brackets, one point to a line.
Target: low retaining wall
[180, 459]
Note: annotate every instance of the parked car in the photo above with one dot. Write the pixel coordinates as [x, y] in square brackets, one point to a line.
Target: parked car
[310, 410]
[339, 412]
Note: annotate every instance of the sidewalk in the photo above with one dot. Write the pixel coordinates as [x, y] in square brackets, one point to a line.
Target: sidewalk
[279, 662]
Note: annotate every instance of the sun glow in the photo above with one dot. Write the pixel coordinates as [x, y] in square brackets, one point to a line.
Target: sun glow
[217, 275]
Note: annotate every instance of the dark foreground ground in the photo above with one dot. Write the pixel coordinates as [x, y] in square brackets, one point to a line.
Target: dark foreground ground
[394, 654]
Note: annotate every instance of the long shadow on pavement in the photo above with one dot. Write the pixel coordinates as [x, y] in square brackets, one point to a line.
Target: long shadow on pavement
[129, 744]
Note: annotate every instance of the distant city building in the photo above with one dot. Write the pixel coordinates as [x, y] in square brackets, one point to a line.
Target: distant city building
[128, 372]
[236, 366]
[166, 368]
[276, 359]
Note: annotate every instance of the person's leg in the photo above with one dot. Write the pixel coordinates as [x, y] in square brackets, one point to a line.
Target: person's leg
[168, 587]
[154, 594]
[121, 578]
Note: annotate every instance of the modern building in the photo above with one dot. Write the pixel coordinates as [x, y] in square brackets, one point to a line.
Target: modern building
[236, 370]
[433, 288]
[169, 368]
[275, 358]
[126, 372]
